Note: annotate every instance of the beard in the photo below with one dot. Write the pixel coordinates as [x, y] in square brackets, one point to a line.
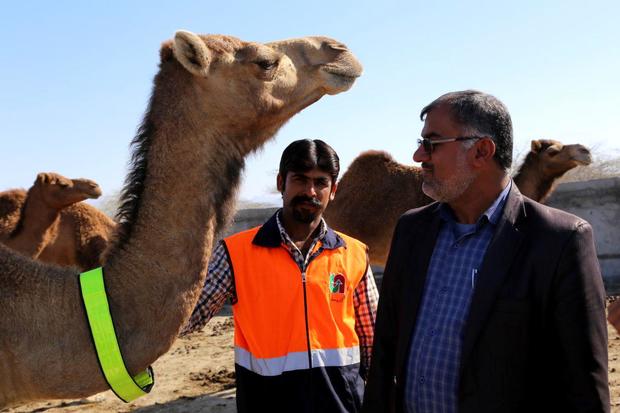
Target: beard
[451, 188]
[301, 213]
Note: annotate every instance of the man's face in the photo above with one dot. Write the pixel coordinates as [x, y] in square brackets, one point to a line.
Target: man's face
[305, 195]
[446, 171]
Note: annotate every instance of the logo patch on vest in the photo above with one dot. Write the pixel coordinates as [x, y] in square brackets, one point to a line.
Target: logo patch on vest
[337, 286]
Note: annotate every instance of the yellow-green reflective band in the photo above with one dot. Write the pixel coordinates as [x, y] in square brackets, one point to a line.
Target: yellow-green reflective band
[108, 352]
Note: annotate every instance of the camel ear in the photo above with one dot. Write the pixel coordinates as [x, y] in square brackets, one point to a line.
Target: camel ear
[553, 150]
[191, 52]
[536, 145]
[42, 178]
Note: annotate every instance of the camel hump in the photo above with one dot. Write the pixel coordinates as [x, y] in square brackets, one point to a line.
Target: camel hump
[11, 202]
[369, 160]
[374, 156]
[372, 162]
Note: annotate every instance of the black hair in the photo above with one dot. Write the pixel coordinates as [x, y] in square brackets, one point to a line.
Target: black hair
[482, 114]
[306, 154]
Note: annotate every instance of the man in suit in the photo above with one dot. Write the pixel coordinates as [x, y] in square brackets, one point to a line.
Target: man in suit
[490, 301]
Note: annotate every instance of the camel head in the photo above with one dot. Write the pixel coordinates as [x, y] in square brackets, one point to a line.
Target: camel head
[59, 192]
[249, 89]
[556, 158]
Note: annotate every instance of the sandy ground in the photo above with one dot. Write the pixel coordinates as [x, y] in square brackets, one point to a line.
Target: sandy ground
[197, 375]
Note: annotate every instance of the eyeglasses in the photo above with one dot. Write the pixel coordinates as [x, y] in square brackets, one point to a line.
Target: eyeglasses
[428, 144]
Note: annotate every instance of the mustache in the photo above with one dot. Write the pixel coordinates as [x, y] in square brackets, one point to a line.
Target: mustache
[300, 199]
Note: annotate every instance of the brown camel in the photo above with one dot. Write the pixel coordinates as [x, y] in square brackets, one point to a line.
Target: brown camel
[376, 190]
[40, 210]
[215, 100]
[83, 234]
[548, 160]
[373, 192]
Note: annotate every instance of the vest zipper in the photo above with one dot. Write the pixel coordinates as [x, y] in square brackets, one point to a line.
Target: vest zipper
[303, 281]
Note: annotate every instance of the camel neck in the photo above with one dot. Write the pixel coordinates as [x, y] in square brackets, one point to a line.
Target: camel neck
[172, 212]
[35, 227]
[532, 180]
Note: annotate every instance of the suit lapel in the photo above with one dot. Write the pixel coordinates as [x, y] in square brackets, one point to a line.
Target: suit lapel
[414, 277]
[495, 268]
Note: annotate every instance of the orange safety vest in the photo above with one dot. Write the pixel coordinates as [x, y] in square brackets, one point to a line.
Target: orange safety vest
[286, 320]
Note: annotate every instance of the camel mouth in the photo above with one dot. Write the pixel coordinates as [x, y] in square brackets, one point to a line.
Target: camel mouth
[583, 161]
[343, 74]
[580, 154]
[583, 158]
[94, 193]
[338, 80]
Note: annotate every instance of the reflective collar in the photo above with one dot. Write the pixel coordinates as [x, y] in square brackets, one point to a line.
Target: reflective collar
[94, 297]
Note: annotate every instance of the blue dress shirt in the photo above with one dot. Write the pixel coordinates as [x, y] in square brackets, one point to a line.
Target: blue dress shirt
[434, 357]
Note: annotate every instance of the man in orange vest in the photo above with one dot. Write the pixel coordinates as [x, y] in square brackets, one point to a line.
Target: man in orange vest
[304, 297]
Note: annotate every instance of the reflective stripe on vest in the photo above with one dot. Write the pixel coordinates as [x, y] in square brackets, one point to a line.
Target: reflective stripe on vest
[297, 360]
[269, 316]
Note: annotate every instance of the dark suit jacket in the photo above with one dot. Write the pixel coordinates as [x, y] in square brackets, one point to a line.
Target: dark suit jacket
[536, 336]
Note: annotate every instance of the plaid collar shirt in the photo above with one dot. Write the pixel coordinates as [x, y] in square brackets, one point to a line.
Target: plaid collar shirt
[219, 286]
[433, 364]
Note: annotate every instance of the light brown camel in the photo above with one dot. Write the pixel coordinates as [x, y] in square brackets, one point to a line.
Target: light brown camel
[83, 234]
[376, 190]
[215, 100]
[39, 213]
[546, 162]
[77, 236]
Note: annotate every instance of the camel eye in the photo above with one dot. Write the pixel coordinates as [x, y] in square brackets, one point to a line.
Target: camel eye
[552, 151]
[266, 64]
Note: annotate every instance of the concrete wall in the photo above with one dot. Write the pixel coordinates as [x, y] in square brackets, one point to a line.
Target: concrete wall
[598, 202]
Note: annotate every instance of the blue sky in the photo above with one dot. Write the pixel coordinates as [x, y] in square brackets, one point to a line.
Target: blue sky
[76, 76]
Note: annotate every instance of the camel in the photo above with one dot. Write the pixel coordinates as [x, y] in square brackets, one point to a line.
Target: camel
[376, 190]
[373, 192]
[40, 210]
[215, 99]
[80, 234]
[547, 161]
[83, 235]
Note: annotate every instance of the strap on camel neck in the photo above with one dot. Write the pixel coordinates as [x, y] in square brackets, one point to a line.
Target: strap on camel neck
[95, 301]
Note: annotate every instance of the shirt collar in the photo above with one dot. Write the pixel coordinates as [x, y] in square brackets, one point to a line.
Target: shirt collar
[272, 234]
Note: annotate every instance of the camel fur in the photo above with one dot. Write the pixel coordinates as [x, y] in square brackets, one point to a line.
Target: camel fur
[215, 99]
[83, 234]
[376, 190]
[547, 161]
[39, 210]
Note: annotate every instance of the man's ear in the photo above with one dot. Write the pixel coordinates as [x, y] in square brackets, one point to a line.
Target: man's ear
[280, 183]
[332, 193]
[485, 150]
